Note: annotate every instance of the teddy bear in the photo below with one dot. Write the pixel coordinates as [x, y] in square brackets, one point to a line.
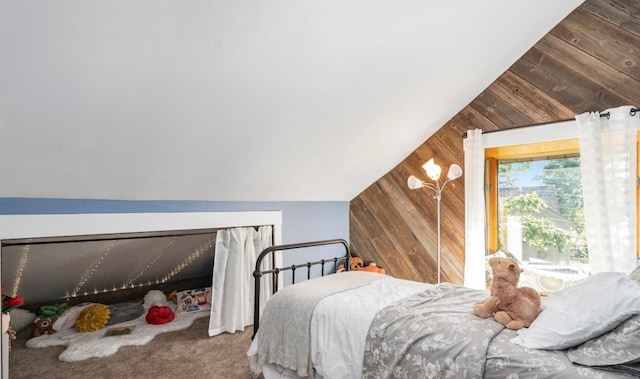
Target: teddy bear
[43, 325]
[512, 306]
[357, 264]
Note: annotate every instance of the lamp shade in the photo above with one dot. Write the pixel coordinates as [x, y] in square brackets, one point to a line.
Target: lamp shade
[455, 172]
[414, 183]
[432, 169]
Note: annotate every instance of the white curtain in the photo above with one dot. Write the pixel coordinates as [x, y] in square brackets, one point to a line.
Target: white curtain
[236, 252]
[608, 168]
[474, 256]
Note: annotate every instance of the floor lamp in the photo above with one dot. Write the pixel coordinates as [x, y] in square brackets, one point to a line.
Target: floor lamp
[433, 172]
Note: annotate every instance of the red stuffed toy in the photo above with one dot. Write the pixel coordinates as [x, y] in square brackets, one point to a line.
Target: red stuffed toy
[158, 315]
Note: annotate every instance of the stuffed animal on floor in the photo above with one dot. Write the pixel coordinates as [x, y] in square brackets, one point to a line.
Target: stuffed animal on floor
[158, 315]
[154, 297]
[52, 310]
[512, 306]
[43, 325]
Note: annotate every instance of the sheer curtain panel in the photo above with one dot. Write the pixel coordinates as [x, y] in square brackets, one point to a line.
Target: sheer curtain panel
[608, 167]
[474, 244]
[232, 294]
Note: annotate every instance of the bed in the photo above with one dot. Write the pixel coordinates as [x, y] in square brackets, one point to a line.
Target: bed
[367, 325]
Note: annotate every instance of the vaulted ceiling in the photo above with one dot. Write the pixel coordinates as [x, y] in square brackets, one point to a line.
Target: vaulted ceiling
[242, 100]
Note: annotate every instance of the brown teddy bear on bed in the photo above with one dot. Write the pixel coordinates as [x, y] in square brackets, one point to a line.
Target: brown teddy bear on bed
[357, 264]
[512, 306]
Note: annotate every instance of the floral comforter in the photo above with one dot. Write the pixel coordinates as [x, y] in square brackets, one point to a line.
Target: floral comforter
[433, 334]
[429, 335]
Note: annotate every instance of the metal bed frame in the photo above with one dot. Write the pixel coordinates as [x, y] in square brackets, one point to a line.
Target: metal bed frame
[275, 271]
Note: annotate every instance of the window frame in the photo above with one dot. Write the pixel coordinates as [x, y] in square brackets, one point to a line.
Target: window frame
[521, 151]
[560, 138]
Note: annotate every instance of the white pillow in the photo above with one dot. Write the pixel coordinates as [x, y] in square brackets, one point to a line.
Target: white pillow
[635, 274]
[581, 312]
[21, 318]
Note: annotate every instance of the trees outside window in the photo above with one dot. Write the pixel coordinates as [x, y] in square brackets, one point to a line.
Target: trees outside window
[540, 219]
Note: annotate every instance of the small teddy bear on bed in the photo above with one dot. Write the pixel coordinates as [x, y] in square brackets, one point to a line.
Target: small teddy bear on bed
[512, 306]
[357, 264]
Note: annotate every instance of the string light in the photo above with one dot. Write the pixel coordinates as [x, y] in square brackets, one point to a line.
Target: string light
[24, 258]
[155, 259]
[89, 273]
[130, 283]
[189, 260]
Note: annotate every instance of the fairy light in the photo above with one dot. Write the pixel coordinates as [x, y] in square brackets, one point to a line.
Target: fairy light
[189, 260]
[89, 273]
[155, 259]
[24, 258]
[130, 284]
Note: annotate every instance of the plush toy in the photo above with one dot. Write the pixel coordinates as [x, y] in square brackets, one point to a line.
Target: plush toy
[357, 264]
[372, 267]
[512, 306]
[43, 325]
[158, 315]
[52, 310]
[154, 297]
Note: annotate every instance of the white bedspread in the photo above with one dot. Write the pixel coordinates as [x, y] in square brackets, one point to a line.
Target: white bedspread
[287, 317]
[336, 354]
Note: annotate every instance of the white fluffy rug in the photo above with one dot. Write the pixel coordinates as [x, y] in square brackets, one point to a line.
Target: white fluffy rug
[81, 346]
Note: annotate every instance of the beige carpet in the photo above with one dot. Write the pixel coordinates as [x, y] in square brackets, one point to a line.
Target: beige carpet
[188, 353]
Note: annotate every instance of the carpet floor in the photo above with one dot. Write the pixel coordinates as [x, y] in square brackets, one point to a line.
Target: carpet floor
[189, 353]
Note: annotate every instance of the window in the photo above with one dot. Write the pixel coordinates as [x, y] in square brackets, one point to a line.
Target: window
[541, 227]
[537, 213]
[612, 187]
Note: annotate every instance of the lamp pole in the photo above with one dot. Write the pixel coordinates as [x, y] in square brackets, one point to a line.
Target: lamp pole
[437, 194]
[438, 198]
[433, 171]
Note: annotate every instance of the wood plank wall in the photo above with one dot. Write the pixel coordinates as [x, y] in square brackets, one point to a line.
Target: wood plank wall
[589, 62]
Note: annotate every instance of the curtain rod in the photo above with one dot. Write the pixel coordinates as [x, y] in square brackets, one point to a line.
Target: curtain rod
[632, 112]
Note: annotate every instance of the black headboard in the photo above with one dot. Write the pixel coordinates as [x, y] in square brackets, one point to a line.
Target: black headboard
[275, 271]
